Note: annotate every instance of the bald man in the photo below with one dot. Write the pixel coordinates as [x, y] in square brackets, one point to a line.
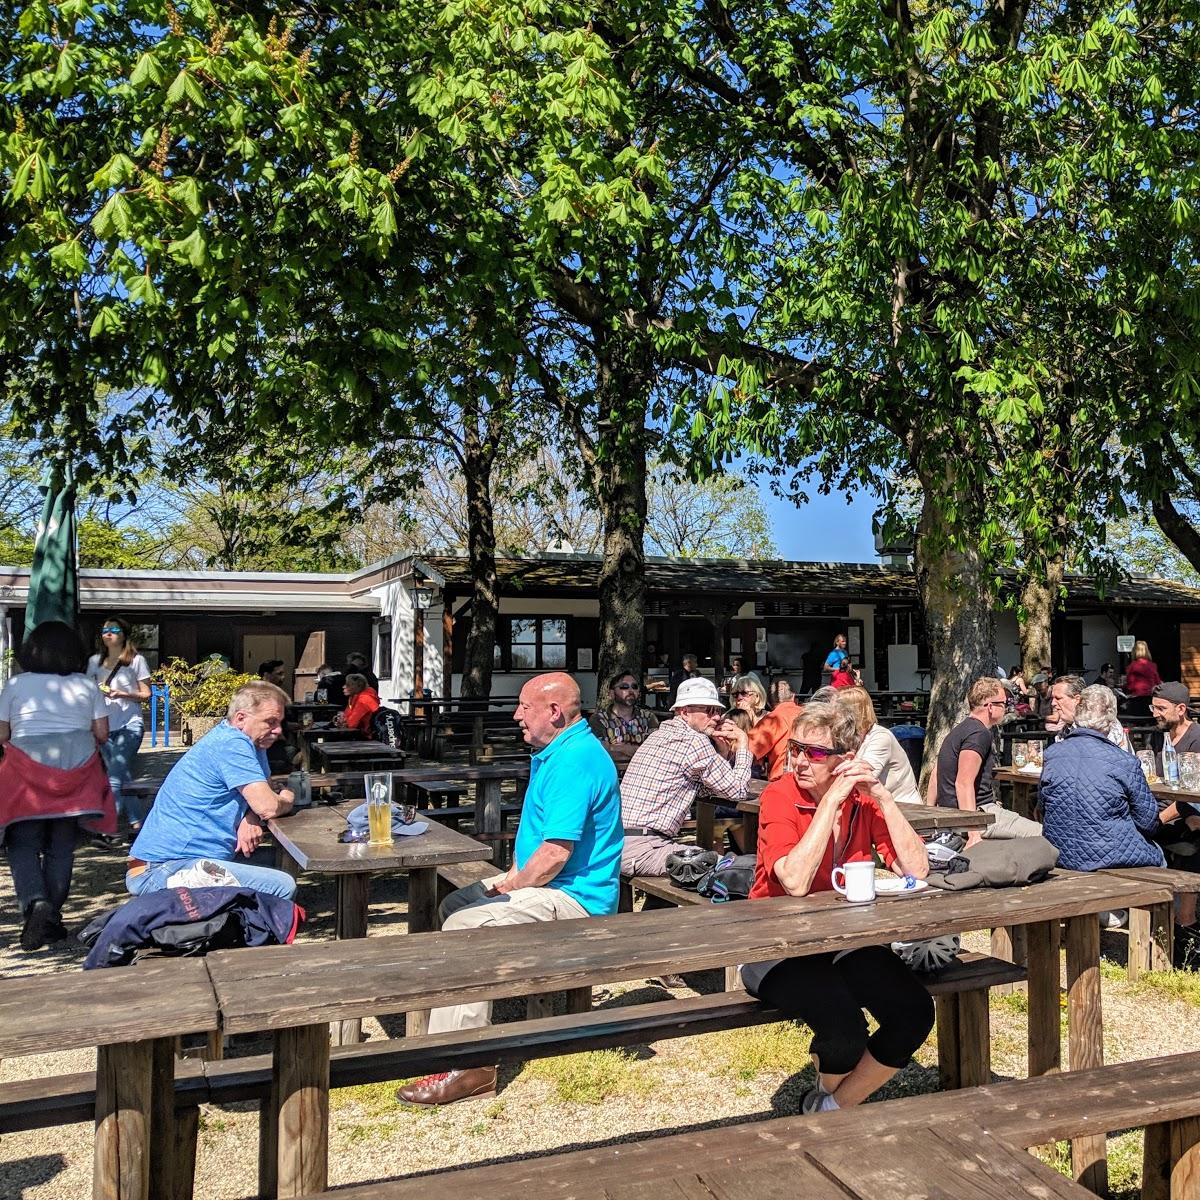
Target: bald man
[566, 861]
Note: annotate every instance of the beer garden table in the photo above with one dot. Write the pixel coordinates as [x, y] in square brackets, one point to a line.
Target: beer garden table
[307, 840]
[1025, 786]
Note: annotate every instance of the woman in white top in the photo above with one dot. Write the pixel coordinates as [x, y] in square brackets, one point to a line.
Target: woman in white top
[51, 719]
[123, 676]
[878, 747]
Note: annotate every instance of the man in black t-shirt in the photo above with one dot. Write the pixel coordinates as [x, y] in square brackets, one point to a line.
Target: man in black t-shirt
[1169, 708]
[962, 776]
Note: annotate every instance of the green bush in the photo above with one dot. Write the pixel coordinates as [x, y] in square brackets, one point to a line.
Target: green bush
[201, 689]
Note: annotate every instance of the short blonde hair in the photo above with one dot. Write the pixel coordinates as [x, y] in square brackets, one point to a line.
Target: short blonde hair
[858, 701]
[748, 683]
[982, 690]
[835, 719]
[250, 697]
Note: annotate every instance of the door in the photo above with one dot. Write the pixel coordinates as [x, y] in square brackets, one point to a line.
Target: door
[262, 647]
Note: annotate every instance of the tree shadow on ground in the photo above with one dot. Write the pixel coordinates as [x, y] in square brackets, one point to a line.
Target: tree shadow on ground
[22, 1175]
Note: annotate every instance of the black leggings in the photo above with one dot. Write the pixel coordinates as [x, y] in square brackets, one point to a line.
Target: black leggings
[829, 998]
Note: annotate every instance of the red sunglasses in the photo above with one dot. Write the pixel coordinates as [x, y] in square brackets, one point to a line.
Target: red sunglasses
[812, 753]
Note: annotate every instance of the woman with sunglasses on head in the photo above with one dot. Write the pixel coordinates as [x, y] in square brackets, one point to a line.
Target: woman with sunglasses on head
[829, 811]
[622, 725]
[124, 678]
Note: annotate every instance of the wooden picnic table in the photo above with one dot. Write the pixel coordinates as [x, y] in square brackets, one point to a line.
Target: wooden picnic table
[132, 1015]
[308, 841]
[359, 752]
[295, 990]
[312, 735]
[922, 817]
[1024, 785]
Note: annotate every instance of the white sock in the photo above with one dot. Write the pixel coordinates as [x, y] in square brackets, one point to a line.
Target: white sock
[827, 1103]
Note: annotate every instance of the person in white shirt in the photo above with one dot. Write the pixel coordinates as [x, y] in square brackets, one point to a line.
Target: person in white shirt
[123, 676]
[51, 719]
[879, 747]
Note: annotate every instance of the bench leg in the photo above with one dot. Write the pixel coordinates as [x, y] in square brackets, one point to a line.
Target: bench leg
[214, 1046]
[975, 1038]
[1089, 1162]
[949, 1068]
[1045, 1027]
[1171, 1161]
[733, 980]
[298, 1113]
[625, 897]
[579, 1000]
[124, 1117]
[1010, 944]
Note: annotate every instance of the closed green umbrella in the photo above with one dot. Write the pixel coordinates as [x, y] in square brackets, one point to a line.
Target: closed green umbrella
[54, 580]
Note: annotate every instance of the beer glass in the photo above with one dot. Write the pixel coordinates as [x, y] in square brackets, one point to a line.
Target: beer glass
[379, 807]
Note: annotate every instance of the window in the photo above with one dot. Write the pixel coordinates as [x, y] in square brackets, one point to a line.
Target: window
[532, 644]
[145, 638]
[383, 647]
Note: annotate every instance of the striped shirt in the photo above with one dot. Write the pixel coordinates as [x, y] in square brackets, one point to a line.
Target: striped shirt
[669, 768]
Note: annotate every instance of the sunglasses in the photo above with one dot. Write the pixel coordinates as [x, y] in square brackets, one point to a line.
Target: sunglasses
[111, 629]
[627, 687]
[812, 753]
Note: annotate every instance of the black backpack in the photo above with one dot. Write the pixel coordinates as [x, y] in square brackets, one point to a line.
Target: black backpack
[387, 726]
[731, 879]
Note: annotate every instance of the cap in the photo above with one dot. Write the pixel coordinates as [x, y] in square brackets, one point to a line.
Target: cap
[1040, 677]
[697, 691]
[1173, 693]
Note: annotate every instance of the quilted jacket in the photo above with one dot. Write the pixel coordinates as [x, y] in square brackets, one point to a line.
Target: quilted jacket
[1097, 805]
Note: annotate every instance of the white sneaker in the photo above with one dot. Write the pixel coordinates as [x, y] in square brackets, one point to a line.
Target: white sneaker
[1118, 918]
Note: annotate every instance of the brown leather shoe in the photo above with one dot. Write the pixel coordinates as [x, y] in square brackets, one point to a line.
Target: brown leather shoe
[448, 1086]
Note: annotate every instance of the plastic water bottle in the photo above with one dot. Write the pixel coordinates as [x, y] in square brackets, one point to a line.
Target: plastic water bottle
[1170, 762]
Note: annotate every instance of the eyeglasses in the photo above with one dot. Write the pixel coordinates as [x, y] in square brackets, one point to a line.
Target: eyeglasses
[707, 709]
[994, 703]
[627, 687]
[812, 753]
[745, 693]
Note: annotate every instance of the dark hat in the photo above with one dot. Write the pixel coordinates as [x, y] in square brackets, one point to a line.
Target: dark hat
[1173, 693]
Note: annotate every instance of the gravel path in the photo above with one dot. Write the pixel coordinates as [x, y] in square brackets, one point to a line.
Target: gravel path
[586, 1099]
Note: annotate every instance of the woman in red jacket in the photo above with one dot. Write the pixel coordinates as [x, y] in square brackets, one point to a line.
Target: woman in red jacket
[363, 704]
[1141, 678]
[831, 810]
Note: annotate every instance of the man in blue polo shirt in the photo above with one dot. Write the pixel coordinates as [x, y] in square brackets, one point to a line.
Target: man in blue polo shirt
[566, 862]
[213, 803]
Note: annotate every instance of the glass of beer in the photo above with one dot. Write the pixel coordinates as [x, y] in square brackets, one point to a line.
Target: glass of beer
[379, 807]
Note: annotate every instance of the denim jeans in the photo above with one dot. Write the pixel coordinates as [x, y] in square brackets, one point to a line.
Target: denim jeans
[119, 753]
[261, 879]
[41, 854]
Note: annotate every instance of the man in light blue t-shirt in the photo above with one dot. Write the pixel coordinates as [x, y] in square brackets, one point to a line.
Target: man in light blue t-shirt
[566, 861]
[215, 800]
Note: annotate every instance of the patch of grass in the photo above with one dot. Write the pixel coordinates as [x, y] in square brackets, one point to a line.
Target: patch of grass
[1014, 1002]
[366, 1133]
[376, 1100]
[746, 1053]
[1179, 985]
[593, 1077]
[495, 1110]
[1124, 1163]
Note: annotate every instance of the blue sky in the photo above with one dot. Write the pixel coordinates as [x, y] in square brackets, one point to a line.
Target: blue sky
[826, 529]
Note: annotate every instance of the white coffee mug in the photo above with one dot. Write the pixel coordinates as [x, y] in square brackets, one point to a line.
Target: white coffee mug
[858, 882]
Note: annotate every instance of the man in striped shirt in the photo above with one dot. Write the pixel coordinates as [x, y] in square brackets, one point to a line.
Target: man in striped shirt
[670, 767]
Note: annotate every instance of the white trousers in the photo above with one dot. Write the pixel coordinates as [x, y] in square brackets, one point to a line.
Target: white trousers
[472, 908]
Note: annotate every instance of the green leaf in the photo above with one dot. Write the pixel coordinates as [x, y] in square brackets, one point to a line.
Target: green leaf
[192, 249]
[69, 258]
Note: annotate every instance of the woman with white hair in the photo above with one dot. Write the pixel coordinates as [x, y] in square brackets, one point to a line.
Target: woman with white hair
[1097, 807]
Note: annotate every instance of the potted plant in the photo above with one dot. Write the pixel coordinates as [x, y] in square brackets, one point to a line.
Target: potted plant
[201, 692]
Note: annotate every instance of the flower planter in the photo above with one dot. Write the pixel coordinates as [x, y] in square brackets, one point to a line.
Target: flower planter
[194, 728]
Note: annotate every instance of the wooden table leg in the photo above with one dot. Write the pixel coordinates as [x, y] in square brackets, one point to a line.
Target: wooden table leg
[173, 1132]
[422, 917]
[299, 1112]
[750, 832]
[1045, 1025]
[1150, 937]
[350, 921]
[1008, 943]
[124, 1117]
[1171, 1161]
[706, 813]
[488, 815]
[1089, 1162]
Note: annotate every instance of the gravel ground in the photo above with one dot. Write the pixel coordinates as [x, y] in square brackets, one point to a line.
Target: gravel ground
[586, 1099]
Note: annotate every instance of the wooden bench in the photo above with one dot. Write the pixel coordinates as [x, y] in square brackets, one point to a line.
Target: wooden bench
[1152, 930]
[871, 1148]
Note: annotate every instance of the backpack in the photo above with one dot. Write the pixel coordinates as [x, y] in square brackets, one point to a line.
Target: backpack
[387, 726]
[731, 879]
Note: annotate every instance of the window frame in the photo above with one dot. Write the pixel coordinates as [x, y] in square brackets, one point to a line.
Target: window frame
[504, 643]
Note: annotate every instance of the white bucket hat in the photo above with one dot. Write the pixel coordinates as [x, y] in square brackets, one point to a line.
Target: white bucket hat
[698, 691]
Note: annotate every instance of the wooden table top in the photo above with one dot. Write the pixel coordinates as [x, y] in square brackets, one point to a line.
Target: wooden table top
[160, 998]
[331, 733]
[309, 838]
[281, 986]
[923, 818]
[351, 750]
[1162, 791]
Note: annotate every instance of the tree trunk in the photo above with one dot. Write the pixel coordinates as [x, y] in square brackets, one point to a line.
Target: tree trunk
[479, 651]
[1183, 534]
[1039, 599]
[620, 471]
[959, 612]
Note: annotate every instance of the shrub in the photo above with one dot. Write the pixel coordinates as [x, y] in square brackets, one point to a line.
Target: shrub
[201, 689]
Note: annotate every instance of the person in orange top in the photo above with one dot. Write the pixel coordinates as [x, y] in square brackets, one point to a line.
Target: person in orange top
[363, 704]
[769, 737]
[831, 810]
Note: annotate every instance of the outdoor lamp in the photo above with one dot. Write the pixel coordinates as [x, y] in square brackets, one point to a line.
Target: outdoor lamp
[422, 597]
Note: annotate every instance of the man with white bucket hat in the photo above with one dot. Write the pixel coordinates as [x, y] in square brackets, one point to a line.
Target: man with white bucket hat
[670, 767]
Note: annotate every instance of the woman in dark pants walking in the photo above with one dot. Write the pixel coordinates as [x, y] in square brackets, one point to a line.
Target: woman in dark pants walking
[829, 811]
[52, 719]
